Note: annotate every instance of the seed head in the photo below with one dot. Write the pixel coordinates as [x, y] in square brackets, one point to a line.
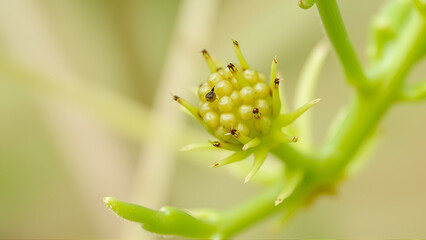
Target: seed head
[242, 110]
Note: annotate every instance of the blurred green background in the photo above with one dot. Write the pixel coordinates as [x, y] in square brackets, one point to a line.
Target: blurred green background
[85, 113]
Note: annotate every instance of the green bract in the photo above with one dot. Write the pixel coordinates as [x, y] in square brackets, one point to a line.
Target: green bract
[242, 109]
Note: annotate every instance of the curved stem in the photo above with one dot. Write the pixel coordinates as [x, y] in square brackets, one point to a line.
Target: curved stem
[364, 115]
[336, 31]
[366, 112]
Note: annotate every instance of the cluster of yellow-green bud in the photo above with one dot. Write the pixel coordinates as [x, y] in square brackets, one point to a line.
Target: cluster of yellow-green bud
[242, 109]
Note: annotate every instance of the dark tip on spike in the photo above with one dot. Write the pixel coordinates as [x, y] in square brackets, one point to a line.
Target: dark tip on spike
[216, 144]
[216, 165]
[232, 67]
[219, 68]
[276, 81]
[176, 98]
[235, 42]
[275, 60]
[234, 132]
[204, 52]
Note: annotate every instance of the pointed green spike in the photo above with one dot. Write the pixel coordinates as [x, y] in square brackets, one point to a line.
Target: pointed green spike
[210, 62]
[252, 143]
[242, 81]
[241, 59]
[292, 181]
[226, 146]
[191, 109]
[286, 119]
[259, 158]
[235, 157]
[276, 100]
[283, 138]
[273, 74]
[239, 136]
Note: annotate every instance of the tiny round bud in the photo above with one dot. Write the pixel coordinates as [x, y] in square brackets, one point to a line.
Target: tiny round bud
[246, 112]
[226, 74]
[247, 95]
[235, 96]
[211, 119]
[251, 76]
[213, 79]
[235, 83]
[225, 104]
[261, 90]
[203, 90]
[263, 106]
[228, 120]
[243, 129]
[213, 105]
[204, 108]
[223, 134]
[223, 88]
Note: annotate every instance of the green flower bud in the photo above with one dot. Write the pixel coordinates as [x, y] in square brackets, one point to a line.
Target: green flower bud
[239, 108]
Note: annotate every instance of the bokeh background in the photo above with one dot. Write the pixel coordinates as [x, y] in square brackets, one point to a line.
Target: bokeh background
[86, 112]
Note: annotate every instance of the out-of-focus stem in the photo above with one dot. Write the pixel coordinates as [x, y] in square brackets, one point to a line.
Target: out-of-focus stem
[152, 176]
[336, 31]
[366, 112]
[305, 92]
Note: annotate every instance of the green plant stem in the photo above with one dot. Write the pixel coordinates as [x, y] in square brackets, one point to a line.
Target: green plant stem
[261, 207]
[336, 31]
[363, 117]
[366, 111]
